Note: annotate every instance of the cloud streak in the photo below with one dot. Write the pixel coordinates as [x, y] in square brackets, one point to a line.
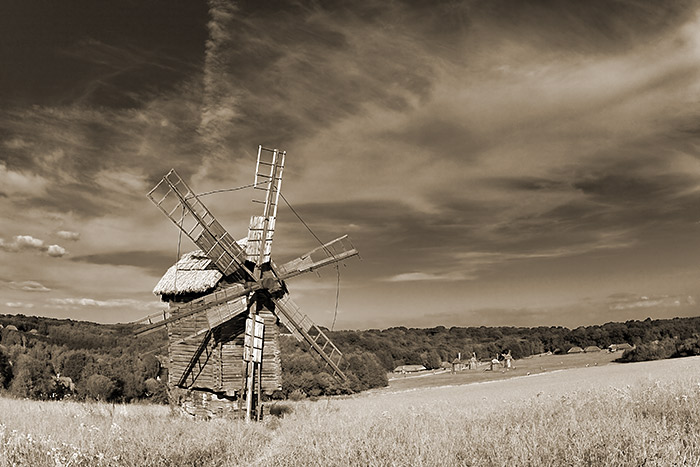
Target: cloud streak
[19, 305]
[73, 303]
[29, 286]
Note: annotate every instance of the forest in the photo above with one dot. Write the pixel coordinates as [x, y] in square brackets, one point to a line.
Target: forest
[45, 358]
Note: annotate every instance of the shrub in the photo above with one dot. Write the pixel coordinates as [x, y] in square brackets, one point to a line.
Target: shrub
[156, 391]
[651, 351]
[297, 395]
[101, 387]
[32, 378]
[688, 348]
[5, 370]
[280, 410]
[366, 367]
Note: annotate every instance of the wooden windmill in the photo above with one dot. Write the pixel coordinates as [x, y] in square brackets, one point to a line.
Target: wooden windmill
[223, 339]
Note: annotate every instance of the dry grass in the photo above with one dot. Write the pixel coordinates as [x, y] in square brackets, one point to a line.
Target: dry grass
[637, 414]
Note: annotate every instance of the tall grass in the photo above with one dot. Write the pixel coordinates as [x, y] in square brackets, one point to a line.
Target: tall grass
[555, 420]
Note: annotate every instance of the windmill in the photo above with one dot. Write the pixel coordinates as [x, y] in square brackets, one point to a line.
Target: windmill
[222, 340]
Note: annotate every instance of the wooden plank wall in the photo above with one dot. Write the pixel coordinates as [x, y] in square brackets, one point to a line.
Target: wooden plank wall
[225, 368]
[234, 367]
[181, 352]
[271, 366]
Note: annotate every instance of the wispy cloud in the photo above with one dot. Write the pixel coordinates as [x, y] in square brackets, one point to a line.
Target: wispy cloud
[154, 262]
[29, 286]
[21, 184]
[624, 301]
[19, 305]
[422, 276]
[68, 235]
[114, 303]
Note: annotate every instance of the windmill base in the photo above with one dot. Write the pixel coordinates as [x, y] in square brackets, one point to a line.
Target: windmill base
[205, 404]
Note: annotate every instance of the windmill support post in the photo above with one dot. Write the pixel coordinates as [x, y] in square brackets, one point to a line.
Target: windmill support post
[252, 355]
[250, 378]
[258, 402]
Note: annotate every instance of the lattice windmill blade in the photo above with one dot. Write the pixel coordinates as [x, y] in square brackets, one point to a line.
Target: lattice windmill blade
[268, 180]
[182, 206]
[332, 252]
[306, 330]
[219, 306]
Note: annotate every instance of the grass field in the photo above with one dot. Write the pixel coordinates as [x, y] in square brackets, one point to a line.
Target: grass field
[633, 414]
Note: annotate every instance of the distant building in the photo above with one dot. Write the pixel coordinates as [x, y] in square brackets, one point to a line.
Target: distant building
[403, 369]
[11, 327]
[592, 348]
[575, 349]
[620, 347]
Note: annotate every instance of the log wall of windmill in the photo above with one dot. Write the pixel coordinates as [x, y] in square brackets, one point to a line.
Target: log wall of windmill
[234, 367]
[182, 347]
[225, 368]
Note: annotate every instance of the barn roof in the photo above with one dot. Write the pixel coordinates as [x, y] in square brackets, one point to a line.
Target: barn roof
[409, 368]
[193, 273]
[623, 346]
[592, 348]
[575, 349]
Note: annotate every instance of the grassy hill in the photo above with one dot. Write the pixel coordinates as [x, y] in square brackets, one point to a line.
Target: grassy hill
[632, 414]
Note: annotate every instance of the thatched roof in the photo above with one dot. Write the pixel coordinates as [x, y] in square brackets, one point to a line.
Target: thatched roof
[194, 273]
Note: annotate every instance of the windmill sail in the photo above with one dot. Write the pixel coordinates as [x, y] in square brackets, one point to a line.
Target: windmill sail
[182, 206]
[306, 330]
[268, 180]
[332, 252]
[232, 298]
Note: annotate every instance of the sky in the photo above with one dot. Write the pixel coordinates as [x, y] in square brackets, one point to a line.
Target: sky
[496, 163]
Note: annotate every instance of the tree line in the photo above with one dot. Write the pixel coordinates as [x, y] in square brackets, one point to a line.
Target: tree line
[47, 358]
[432, 347]
[54, 359]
